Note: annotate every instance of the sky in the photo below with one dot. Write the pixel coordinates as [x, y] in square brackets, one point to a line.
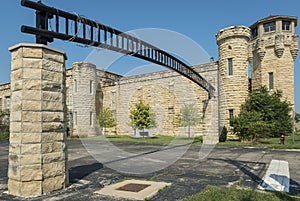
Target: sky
[198, 20]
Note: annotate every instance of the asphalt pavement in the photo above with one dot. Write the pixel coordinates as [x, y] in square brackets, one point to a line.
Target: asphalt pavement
[193, 168]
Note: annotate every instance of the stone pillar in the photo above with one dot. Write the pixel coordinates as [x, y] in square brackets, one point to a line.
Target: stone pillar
[37, 150]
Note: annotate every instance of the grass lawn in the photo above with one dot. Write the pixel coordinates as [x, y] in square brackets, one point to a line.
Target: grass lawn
[271, 143]
[160, 139]
[212, 193]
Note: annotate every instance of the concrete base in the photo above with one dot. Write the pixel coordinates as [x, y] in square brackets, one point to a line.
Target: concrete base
[148, 192]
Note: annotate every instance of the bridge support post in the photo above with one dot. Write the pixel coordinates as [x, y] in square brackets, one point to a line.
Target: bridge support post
[37, 150]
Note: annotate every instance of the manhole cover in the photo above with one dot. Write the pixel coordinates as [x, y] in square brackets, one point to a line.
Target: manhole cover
[133, 187]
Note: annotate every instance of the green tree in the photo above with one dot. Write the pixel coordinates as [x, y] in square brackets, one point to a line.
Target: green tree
[189, 116]
[142, 117]
[4, 121]
[106, 119]
[263, 115]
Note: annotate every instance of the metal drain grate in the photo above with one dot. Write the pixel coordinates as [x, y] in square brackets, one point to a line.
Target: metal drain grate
[133, 187]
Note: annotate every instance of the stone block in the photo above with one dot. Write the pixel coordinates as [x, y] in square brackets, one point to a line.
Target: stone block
[14, 187]
[53, 157]
[53, 66]
[53, 169]
[52, 96]
[52, 106]
[29, 73]
[16, 74]
[32, 63]
[16, 96]
[14, 172]
[31, 138]
[54, 56]
[31, 172]
[16, 64]
[31, 159]
[17, 54]
[52, 136]
[52, 127]
[15, 127]
[51, 86]
[52, 116]
[31, 116]
[14, 159]
[31, 188]
[29, 105]
[52, 184]
[16, 105]
[31, 127]
[16, 85]
[16, 116]
[32, 95]
[30, 149]
[32, 84]
[15, 148]
[52, 76]
[53, 147]
[31, 52]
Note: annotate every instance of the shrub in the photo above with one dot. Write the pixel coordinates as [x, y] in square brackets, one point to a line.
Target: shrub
[223, 135]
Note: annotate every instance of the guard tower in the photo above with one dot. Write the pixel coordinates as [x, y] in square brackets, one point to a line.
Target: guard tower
[273, 50]
[233, 70]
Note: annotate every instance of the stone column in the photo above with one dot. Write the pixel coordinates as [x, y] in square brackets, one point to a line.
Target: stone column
[37, 150]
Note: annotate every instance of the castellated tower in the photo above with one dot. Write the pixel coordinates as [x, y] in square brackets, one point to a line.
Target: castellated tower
[272, 52]
[84, 99]
[233, 71]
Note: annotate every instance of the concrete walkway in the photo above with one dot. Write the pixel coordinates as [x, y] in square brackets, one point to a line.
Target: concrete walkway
[277, 177]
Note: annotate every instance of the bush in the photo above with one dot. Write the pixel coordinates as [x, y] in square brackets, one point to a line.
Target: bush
[223, 135]
[4, 136]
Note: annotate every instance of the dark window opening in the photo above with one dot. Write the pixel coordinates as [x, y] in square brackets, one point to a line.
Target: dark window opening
[268, 27]
[230, 116]
[286, 25]
[271, 81]
[254, 32]
[230, 67]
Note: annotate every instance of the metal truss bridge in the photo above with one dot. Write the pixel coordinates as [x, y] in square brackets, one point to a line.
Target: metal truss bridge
[78, 29]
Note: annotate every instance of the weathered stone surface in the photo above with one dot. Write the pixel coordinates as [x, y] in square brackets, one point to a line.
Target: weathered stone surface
[31, 158]
[52, 184]
[30, 138]
[53, 169]
[53, 157]
[53, 147]
[32, 95]
[31, 149]
[29, 52]
[52, 136]
[31, 188]
[31, 116]
[31, 172]
[31, 127]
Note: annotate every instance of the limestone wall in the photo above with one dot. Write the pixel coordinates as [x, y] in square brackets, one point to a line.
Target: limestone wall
[165, 91]
[233, 44]
[4, 95]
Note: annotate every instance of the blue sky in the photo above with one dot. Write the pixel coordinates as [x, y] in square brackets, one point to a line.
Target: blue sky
[196, 19]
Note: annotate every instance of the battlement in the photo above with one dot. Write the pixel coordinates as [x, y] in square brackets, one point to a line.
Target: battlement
[233, 32]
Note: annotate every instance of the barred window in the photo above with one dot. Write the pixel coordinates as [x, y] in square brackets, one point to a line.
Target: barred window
[271, 81]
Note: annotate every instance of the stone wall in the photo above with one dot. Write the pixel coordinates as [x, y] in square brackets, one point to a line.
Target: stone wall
[166, 92]
[5, 96]
[233, 44]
